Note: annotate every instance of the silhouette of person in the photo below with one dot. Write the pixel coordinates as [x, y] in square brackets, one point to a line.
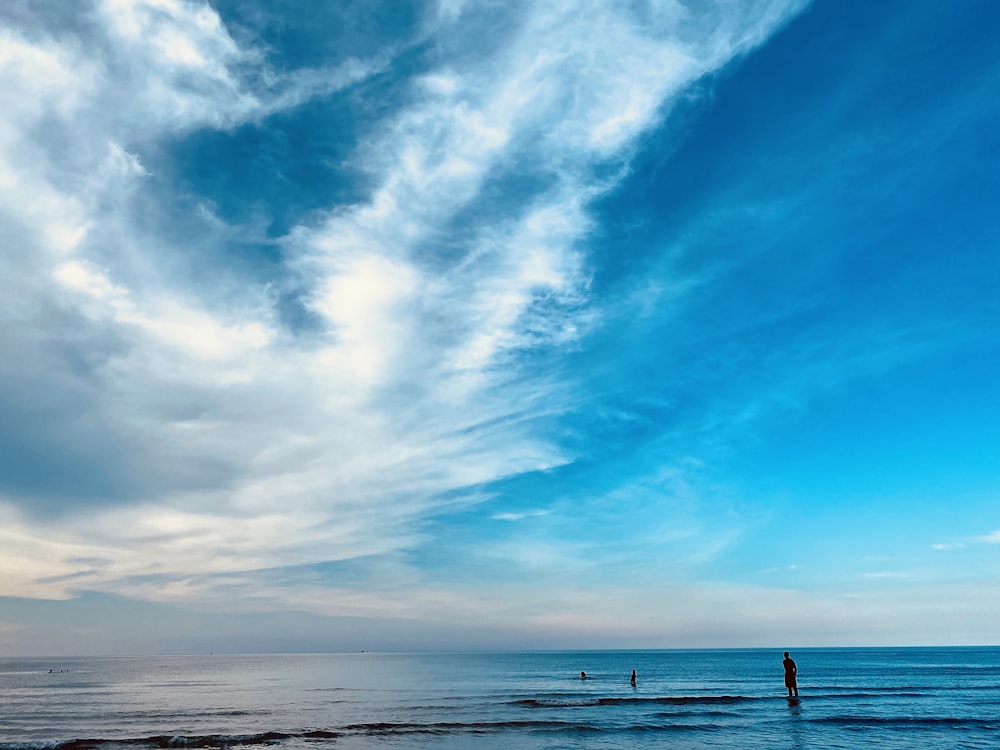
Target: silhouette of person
[791, 670]
[632, 678]
[583, 675]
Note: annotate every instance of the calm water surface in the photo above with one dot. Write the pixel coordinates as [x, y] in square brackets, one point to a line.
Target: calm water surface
[850, 698]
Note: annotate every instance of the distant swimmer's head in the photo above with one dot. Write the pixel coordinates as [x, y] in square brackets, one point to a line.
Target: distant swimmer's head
[583, 675]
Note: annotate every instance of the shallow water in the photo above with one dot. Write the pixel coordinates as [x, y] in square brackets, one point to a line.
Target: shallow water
[850, 698]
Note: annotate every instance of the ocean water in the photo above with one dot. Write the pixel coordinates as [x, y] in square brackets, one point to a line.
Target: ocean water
[850, 698]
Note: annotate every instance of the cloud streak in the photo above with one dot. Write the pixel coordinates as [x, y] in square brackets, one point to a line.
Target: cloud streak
[197, 440]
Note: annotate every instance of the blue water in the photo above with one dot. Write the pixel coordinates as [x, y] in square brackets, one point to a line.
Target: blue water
[850, 698]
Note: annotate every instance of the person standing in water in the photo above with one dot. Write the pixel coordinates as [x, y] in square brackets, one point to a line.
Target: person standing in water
[791, 671]
[632, 679]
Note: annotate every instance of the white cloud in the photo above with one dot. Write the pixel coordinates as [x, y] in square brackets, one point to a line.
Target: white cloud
[368, 303]
[42, 78]
[177, 60]
[944, 547]
[519, 516]
[274, 449]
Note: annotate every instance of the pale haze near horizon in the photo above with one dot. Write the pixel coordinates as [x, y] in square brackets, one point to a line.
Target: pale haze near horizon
[457, 325]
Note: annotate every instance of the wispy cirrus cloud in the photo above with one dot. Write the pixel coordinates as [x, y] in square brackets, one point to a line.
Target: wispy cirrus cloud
[196, 436]
[520, 516]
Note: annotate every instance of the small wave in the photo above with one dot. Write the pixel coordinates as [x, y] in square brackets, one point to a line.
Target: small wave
[907, 721]
[181, 742]
[849, 691]
[669, 726]
[434, 707]
[685, 700]
[158, 741]
[174, 684]
[692, 700]
[864, 694]
[455, 727]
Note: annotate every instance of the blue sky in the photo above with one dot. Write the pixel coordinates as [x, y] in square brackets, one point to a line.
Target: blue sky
[468, 325]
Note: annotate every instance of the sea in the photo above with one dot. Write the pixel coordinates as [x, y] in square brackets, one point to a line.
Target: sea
[882, 698]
